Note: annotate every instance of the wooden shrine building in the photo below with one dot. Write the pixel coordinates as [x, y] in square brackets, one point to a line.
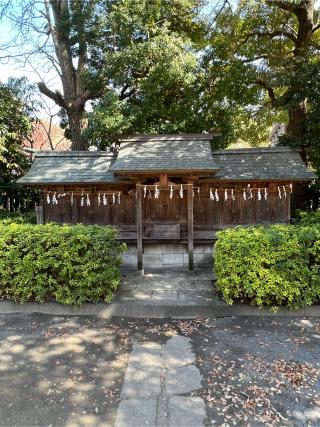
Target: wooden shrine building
[168, 194]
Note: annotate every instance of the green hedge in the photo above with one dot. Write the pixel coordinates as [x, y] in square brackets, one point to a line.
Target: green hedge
[307, 218]
[276, 265]
[70, 264]
[17, 217]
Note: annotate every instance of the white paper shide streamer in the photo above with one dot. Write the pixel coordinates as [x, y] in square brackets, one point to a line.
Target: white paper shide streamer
[181, 192]
[156, 192]
[171, 191]
[259, 194]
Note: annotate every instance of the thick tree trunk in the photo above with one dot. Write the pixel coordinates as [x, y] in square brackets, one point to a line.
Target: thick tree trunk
[297, 116]
[304, 12]
[74, 96]
[76, 125]
[296, 126]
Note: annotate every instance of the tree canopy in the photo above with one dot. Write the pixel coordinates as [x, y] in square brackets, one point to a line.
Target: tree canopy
[15, 125]
[234, 68]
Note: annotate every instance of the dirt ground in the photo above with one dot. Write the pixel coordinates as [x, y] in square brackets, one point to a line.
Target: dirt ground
[69, 371]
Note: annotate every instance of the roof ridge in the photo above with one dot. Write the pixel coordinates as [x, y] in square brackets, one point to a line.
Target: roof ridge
[254, 150]
[170, 137]
[54, 153]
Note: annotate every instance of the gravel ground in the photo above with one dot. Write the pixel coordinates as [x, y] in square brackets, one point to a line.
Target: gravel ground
[69, 371]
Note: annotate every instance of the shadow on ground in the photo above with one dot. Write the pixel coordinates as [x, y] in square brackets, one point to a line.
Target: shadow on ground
[70, 371]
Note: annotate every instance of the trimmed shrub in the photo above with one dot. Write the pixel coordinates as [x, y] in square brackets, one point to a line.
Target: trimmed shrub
[276, 265]
[308, 218]
[70, 264]
[17, 217]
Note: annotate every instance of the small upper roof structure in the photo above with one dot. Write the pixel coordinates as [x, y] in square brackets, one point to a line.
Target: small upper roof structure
[165, 153]
[258, 164]
[69, 167]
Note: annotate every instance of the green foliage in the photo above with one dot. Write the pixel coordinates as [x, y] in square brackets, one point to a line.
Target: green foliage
[153, 63]
[273, 266]
[308, 218]
[17, 116]
[17, 218]
[15, 124]
[266, 73]
[67, 264]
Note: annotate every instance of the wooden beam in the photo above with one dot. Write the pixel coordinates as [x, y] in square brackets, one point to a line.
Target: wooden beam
[139, 227]
[190, 226]
[163, 180]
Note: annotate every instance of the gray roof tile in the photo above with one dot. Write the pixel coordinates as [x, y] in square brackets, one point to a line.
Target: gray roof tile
[266, 163]
[71, 167]
[164, 154]
[65, 167]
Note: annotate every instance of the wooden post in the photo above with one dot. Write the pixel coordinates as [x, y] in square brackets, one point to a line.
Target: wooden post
[39, 213]
[190, 226]
[139, 226]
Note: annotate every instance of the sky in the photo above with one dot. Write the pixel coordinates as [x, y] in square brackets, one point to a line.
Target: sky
[13, 69]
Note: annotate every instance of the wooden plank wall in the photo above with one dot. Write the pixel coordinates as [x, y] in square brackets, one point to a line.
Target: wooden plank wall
[64, 212]
[207, 213]
[240, 211]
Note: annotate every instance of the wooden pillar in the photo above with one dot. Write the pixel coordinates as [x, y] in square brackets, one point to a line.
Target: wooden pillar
[190, 226]
[139, 226]
[39, 213]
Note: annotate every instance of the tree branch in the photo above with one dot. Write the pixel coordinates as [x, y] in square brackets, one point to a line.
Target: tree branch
[315, 28]
[85, 96]
[290, 6]
[275, 33]
[256, 58]
[269, 89]
[55, 96]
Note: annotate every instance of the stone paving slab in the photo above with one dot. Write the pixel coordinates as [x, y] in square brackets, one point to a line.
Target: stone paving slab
[154, 373]
[143, 372]
[164, 294]
[182, 379]
[136, 413]
[195, 295]
[178, 352]
[186, 412]
[148, 354]
[141, 383]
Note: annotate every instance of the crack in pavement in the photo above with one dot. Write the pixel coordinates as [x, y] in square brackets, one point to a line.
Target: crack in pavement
[155, 386]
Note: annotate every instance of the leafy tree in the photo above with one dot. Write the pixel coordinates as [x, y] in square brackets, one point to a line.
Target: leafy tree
[264, 52]
[153, 63]
[15, 125]
[57, 36]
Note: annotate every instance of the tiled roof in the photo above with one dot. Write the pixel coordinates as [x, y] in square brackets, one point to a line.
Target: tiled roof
[270, 163]
[76, 167]
[165, 153]
[57, 167]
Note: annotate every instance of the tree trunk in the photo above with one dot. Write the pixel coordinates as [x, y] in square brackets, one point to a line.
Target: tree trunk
[74, 97]
[297, 115]
[295, 129]
[296, 121]
[76, 125]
